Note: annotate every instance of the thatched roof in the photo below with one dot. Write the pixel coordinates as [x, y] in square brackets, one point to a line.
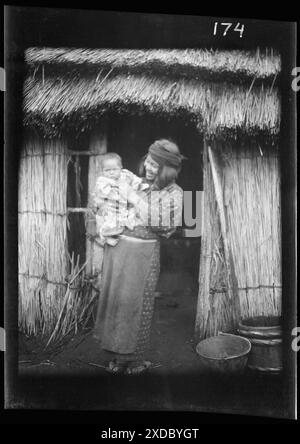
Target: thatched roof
[189, 62]
[223, 91]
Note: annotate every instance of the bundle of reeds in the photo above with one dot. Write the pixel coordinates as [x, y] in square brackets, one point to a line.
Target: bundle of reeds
[240, 262]
[242, 109]
[251, 181]
[189, 62]
[77, 305]
[43, 265]
[218, 306]
[216, 107]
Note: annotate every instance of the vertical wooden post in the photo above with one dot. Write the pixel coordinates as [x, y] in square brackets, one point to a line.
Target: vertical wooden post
[94, 252]
[229, 267]
[218, 303]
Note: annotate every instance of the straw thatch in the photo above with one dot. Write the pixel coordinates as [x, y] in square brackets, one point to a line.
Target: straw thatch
[251, 184]
[218, 307]
[42, 210]
[240, 261]
[55, 295]
[224, 92]
[189, 62]
[76, 306]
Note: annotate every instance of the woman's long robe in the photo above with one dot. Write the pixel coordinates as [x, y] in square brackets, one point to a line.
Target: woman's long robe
[130, 275]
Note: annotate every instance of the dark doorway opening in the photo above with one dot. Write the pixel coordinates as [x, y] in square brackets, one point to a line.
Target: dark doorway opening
[77, 195]
[130, 137]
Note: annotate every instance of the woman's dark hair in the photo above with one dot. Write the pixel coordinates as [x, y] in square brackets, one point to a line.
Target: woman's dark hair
[166, 174]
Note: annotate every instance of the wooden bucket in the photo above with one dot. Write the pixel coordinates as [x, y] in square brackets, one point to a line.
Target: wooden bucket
[265, 335]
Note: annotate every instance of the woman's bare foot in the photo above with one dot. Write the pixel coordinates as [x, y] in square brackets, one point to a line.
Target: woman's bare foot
[115, 367]
[138, 369]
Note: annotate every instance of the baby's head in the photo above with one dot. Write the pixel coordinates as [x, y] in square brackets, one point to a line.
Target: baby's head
[111, 165]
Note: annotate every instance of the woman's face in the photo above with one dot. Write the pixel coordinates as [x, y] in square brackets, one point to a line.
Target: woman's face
[151, 168]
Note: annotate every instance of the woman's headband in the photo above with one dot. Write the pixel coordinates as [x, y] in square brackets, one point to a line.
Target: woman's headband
[164, 157]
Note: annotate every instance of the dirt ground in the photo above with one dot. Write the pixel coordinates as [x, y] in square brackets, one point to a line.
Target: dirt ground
[171, 347]
[71, 376]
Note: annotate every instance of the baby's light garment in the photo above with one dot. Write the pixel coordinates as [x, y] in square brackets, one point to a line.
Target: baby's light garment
[110, 196]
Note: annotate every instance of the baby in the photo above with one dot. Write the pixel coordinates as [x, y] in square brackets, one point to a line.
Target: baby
[110, 197]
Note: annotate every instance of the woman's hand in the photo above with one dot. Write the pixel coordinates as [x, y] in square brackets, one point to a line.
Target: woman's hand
[132, 197]
[125, 190]
[140, 206]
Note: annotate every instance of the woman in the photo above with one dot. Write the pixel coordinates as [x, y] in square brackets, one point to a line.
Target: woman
[131, 268]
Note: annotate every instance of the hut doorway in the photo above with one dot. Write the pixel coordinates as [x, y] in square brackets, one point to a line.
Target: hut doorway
[130, 137]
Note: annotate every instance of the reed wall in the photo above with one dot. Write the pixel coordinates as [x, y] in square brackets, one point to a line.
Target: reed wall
[240, 262]
[43, 264]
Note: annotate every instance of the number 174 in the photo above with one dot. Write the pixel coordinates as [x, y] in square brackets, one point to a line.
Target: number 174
[238, 28]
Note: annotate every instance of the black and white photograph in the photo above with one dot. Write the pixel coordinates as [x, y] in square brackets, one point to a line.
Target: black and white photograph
[150, 212]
